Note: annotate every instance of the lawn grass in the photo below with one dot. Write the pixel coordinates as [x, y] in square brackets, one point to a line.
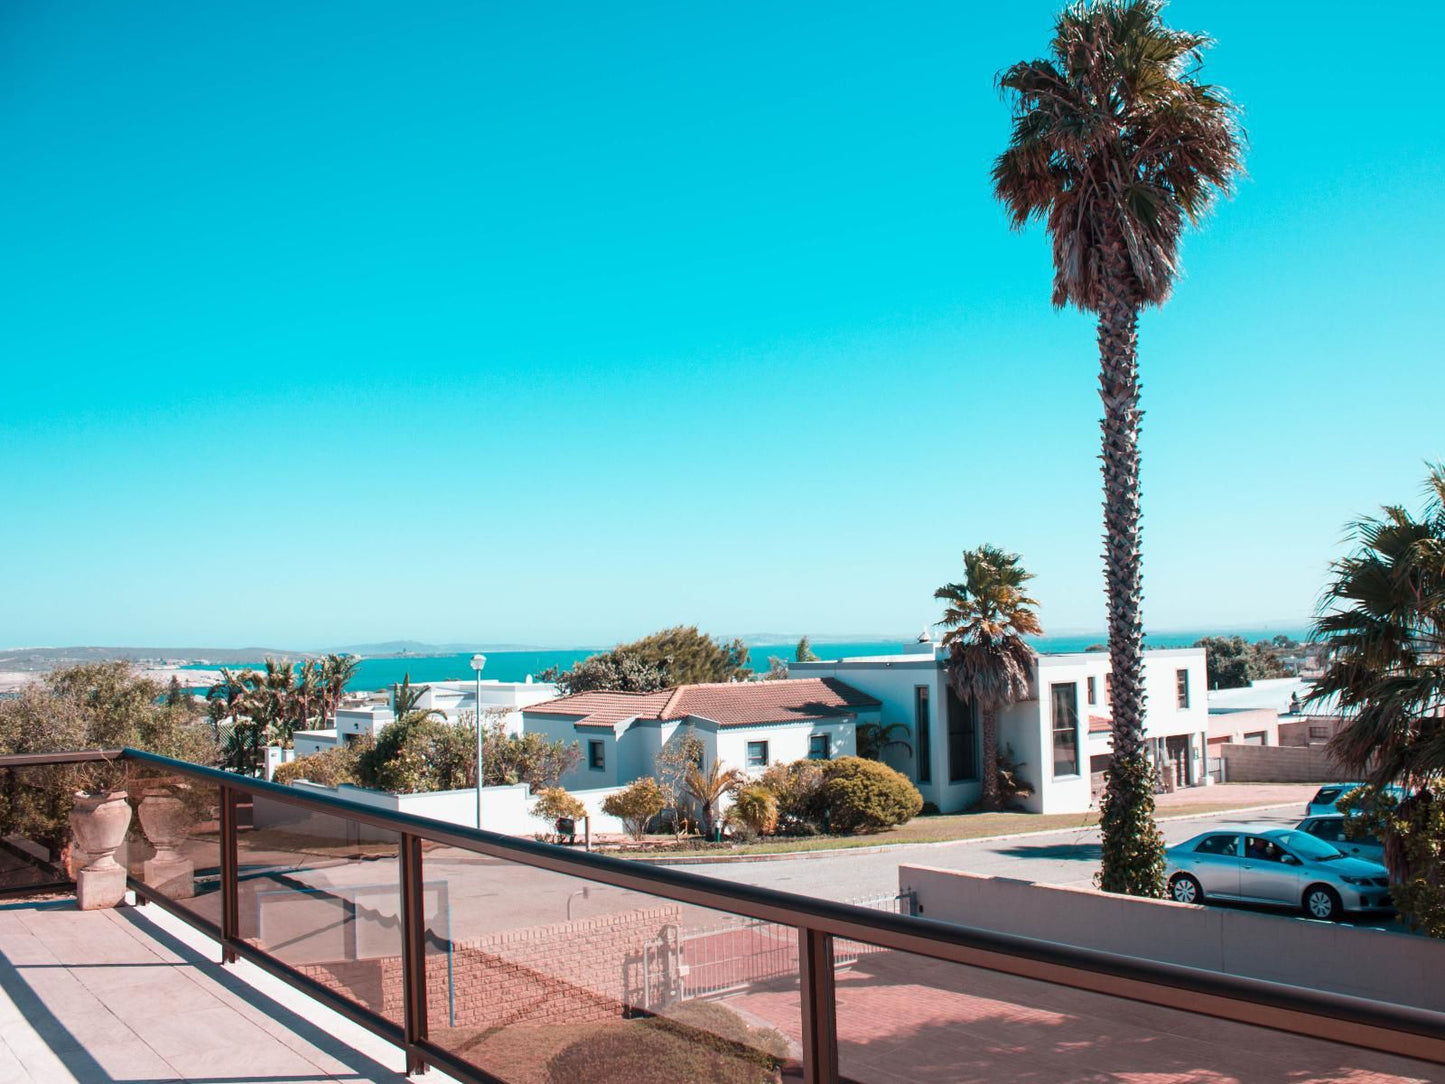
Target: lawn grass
[950, 829]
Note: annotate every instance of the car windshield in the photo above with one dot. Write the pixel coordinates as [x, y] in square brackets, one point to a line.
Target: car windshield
[1307, 846]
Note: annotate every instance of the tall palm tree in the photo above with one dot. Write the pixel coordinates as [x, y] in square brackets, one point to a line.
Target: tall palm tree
[989, 662]
[336, 673]
[307, 693]
[272, 702]
[1383, 620]
[1115, 146]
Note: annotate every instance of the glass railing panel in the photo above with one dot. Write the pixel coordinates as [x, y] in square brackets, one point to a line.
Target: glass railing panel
[536, 977]
[903, 1016]
[35, 837]
[321, 894]
[173, 845]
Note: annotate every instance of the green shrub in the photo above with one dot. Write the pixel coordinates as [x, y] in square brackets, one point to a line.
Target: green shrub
[867, 796]
[420, 753]
[330, 767]
[755, 810]
[695, 1041]
[636, 805]
[554, 804]
[798, 790]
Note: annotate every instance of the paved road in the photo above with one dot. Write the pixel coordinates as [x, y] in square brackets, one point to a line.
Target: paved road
[1066, 857]
[1069, 857]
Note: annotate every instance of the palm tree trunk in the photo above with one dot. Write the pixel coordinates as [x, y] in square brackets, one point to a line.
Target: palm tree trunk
[990, 758]
[1133, 850]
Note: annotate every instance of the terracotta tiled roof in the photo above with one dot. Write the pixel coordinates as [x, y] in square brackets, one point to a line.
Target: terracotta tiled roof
[1100, 724]
[743, 703]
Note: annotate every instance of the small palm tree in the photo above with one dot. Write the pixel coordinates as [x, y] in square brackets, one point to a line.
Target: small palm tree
[708, 787]
[875, 739]
[1116, 145]
[989, 662]
[307, 692]
[405, 697]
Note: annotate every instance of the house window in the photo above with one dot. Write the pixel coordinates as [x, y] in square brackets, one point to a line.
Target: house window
[757, 754]
[596, 755]
[1093, 691]
[1109, 688]
[1066, 728]
[1181, 686]
[922, 727]
[1319, 731]
[818, 747]
[962, 739]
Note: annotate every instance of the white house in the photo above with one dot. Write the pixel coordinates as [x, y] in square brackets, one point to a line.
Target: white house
[502, 700]
[1059, 736]
[746, 725]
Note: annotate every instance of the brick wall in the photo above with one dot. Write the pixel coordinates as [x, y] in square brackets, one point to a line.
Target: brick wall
[589, 969]
[1280, 764]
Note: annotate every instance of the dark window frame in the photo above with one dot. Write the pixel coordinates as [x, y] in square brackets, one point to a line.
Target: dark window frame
[764, 762]
[963, 758]
[1181, 688]
[1092, 688]
[596, 755]
[923, 727]
[827, 752]
[1058, 691]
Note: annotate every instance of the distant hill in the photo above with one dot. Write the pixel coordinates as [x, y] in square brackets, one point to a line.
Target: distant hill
[47, 658]
[401, 648]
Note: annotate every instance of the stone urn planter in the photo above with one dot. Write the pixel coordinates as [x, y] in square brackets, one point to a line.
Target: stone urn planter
[98, 823]
[166, 822]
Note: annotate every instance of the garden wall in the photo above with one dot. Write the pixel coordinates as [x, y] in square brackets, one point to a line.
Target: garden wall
[573, 972]
[1396, 967]
[1280, 764]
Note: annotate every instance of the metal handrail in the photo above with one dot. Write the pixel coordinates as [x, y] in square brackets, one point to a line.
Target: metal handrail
[1398, 1029]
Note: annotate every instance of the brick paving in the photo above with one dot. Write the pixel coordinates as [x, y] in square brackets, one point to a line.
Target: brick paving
[905, 1018]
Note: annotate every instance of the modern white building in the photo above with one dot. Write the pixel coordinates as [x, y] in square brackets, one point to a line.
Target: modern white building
[1059, 737]
[746, 725]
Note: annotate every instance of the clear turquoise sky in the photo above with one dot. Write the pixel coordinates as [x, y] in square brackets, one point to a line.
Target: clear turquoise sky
[556, 323]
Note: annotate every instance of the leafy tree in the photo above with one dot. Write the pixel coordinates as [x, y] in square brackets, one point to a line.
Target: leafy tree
[554, 804]
[805, 652]
[681, 753]
[418, 753]
[1116, 145]
[1413, 833]
[617, 670]
[519, 758]
[677, 656]
[1231, 663]
[176, 696]
[636, 805]
[777, 669]
[987, 616]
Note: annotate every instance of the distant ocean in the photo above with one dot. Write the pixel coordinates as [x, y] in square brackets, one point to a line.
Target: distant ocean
[382, 673]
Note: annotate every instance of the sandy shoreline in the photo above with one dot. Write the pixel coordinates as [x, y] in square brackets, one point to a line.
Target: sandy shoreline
[12, 681]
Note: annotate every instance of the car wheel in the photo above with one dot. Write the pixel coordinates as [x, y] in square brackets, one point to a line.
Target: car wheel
[1185, 889]
[1322, 902]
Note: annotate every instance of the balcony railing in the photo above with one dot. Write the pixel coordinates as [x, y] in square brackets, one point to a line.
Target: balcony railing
[503, 959]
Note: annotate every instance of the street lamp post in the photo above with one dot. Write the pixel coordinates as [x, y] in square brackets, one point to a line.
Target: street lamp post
[479, 661]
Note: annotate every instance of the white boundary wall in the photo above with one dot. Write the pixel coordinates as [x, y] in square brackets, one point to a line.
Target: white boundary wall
[1385, 966]
[505, 810]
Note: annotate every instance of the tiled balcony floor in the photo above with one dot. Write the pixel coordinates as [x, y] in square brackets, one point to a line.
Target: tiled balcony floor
[133, 996]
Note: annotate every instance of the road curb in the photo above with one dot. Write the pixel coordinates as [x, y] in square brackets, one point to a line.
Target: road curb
[839, 852]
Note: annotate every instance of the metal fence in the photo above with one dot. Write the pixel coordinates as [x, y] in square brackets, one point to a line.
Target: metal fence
[528, 940]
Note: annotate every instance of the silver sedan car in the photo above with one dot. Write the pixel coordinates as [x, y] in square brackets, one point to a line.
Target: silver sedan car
[1273, 865]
